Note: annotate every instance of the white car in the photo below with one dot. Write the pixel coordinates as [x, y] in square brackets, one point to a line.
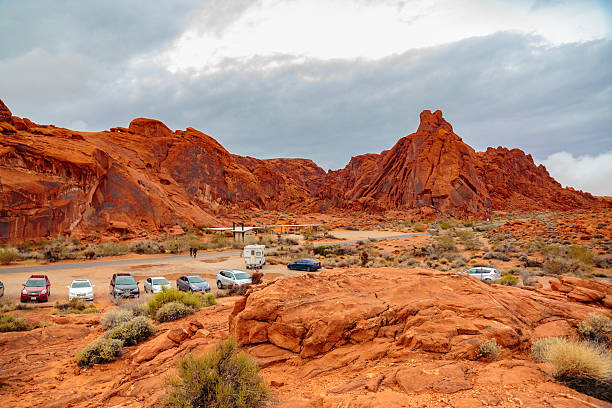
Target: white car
[156, 284]
[484, 274]
[230, 277]
[81, 289]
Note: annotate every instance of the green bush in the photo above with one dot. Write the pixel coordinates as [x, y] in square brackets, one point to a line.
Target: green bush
[596, 328]
[223, 378]
[99, 352]
[192, 300]
[8, 255]
[508, 280]
[10, 323]
[114, 317]
[172, 311]
[132, 332]
[489, 350]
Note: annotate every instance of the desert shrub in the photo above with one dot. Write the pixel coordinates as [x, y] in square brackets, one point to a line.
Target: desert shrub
[146, 246]
[56, 251]
[133, 331]
[172, 311]
[76, 306]
[138, 307]
[192, 300]
[222, 378]
[445, 242]
[583, 366]
[580, 254]
[257, 278]
[89, 253]
[176, 245]
[509, 280]
[540, 347]
[561, 266]
[418, 227]
[505, 247]
[596, 328]
[10, 323]
[114, 317]
[112, 249]
[237, 290]
[99, 352]
[8, 255]
[496, 255]
[489, 349]
[7, 306]
[526, 277]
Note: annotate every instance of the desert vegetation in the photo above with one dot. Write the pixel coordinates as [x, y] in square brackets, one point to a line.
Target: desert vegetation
[74, 306]
[172, 304]
[223, 378]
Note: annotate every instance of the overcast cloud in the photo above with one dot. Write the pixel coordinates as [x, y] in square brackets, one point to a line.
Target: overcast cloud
[91, 67]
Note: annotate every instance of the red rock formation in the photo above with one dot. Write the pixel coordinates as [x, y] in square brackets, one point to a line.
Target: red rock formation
[148, 177]
[514, 182]
[430, 168]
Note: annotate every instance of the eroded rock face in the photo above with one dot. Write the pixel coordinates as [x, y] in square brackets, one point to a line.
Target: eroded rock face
[5, 112]
[430, 168]
[147, 177]
[418, 309]
[514, 182]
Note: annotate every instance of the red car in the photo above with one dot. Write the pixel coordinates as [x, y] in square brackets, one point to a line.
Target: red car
[37, 287]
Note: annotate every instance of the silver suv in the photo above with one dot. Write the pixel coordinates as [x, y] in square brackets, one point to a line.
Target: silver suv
[484, 274]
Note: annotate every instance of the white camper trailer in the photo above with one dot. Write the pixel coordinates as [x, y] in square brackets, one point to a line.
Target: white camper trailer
[254, 256]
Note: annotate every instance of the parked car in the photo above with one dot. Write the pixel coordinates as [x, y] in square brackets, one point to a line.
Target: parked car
[192, 283]
[81, 289]
[1, 289]
[485, 274]
[38, 287]
[124, 285]
[235, 277]
[156, 284]
[305, 264]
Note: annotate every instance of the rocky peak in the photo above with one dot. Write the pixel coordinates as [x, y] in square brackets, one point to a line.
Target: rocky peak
[149, 127]
[431, 122]
[5, 112]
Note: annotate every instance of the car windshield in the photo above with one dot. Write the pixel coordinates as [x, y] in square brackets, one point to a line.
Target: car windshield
[35, 283]
[241, 275]
[81, 284]
[125, 280]
[160, 281]
[195, 279]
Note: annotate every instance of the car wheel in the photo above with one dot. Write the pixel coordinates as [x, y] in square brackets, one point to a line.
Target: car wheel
[487, 281]
[219, 285]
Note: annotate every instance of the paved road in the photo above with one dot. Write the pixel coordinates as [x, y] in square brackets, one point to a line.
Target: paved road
[141, 261]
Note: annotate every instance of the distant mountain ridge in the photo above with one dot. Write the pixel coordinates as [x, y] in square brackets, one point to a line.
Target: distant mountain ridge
[148, 177]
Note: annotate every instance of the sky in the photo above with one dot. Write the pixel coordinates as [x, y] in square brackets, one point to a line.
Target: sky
[325, 80]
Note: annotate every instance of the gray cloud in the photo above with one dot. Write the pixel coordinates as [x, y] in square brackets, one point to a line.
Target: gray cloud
[505, 89]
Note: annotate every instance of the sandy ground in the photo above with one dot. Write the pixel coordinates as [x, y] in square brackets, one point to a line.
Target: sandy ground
[171, 269]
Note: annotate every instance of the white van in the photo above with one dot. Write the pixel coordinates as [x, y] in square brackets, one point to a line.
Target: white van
[254, 256]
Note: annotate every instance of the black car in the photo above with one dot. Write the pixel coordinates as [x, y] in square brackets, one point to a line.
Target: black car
[192, 283]
[124, 285]
[305, 265]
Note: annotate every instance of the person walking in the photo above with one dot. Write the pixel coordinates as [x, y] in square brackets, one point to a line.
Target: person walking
[195, 252]
[190, 252]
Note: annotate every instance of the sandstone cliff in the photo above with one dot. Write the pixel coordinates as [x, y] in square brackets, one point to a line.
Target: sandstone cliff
[148, 177]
